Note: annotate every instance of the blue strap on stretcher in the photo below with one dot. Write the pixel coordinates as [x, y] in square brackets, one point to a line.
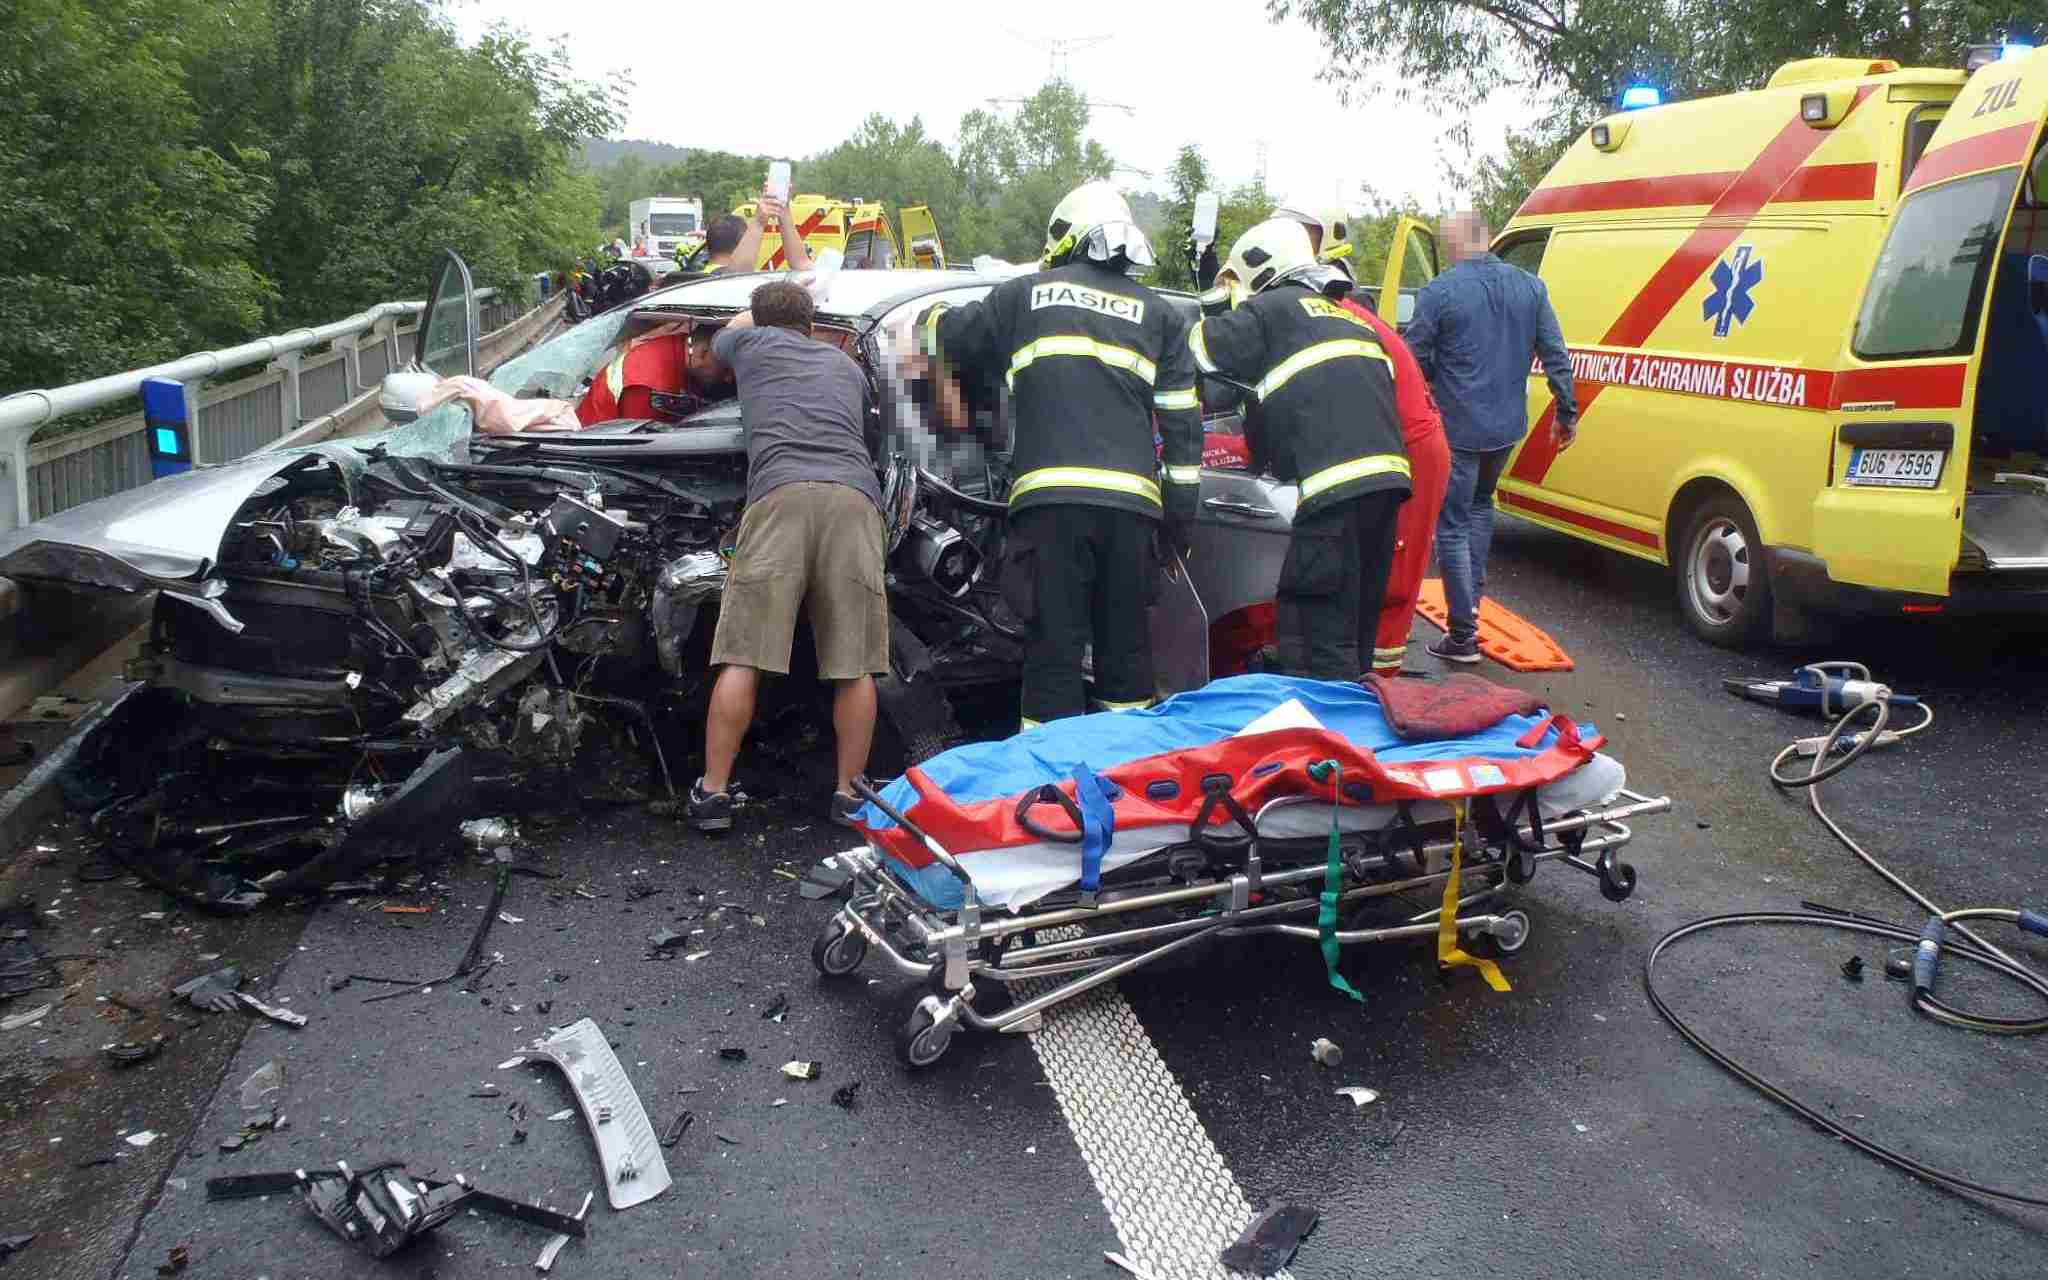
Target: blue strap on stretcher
[1333, 880]
[1098, 824]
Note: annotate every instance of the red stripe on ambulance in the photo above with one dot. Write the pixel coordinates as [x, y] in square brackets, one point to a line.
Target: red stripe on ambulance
[1812, 183]
[1985, 151]
[1915, 386]
[1611, 528]
[1746, 381]
[1780, 159]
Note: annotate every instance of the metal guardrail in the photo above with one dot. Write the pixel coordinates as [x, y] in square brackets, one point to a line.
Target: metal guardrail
[39, 479]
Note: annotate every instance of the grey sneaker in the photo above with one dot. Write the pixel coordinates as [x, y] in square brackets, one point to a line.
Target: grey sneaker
[1456, 649]
[710, 810]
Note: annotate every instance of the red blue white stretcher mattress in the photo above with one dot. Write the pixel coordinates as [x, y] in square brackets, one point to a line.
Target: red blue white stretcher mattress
[1262, 731]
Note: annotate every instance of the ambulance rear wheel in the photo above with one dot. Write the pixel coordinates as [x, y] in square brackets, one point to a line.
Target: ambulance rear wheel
[1724, 587]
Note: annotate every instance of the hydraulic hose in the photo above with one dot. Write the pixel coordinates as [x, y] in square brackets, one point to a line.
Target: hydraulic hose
[1832, 754]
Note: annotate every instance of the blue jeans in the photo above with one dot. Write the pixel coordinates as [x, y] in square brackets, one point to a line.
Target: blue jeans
[1464, 534]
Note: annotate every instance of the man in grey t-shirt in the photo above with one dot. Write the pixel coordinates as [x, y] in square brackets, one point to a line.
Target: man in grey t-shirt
[810, 542]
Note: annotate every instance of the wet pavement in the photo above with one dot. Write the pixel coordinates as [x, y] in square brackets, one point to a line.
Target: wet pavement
[1560, 1129]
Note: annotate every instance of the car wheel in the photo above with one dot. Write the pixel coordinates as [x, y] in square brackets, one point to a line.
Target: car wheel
[1724, 585]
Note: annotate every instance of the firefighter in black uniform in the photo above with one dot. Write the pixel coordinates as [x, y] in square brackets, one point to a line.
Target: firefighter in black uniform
[1092, 360]
[1322, 416]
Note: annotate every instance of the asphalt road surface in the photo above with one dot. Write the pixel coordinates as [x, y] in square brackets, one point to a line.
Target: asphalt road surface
[1559, 1129]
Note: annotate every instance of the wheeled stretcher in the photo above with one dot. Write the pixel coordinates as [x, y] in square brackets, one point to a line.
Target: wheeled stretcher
[1077, 852]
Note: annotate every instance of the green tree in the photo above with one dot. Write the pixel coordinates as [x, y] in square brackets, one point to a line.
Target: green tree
[121, 241]
[1581, 55]
[896, 164]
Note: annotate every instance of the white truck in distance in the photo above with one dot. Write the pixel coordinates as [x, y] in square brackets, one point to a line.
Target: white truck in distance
[665, 226]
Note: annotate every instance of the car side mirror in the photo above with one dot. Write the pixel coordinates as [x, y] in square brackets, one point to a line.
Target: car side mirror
[401, 393]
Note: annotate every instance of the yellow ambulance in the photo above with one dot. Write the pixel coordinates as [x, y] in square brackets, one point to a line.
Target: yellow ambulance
[858, 229]
[1809, 328]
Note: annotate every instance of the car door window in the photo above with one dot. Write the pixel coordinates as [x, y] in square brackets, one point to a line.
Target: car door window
[448, 329]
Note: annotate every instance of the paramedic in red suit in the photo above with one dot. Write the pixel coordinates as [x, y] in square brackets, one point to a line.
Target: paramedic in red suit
[661, 375]
[1429, 452]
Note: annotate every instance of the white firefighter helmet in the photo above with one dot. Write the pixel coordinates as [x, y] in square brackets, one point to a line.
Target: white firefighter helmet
[1094, 221]
[1332, 225]
[1272, 251]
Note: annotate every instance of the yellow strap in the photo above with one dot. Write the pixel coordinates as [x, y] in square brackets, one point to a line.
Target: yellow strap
[1074, 344]
[1136, 704]
[1321, 352]
[1448, 953]
[1084, 478]
[1377, 464]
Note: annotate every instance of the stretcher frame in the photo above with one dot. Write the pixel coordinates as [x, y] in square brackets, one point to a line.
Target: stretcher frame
[1049, 956]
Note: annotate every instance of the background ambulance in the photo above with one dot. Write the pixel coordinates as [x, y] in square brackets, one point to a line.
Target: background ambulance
[859, 229]
[1809, 325]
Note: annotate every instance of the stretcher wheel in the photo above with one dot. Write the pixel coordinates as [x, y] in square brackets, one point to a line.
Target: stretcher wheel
[839, 950]
[1515, 936]
[924, 1039]
[1617, 881]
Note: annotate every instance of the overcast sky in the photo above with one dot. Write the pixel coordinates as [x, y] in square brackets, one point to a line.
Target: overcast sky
[1230, 82]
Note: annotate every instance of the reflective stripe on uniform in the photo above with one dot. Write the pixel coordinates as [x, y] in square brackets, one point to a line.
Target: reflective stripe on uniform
[1377, 464]
[615, 377]
[1084, 478]
[1074, 344]
[1025, 723]
[1200, 346]
[1184, 475]
[1310, 357]
[1106, 704]
[1184, 399]
[931, 329]
[1212, 297]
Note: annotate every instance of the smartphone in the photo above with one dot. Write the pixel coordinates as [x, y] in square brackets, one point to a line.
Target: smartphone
[1206, 205]
[778, 179]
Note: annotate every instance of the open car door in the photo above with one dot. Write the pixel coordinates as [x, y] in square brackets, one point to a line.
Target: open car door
[921, 242]
[448, 327]
[1412, 262]
[1942, 386]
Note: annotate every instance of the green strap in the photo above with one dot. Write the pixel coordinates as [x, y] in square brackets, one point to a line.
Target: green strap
[1333, 880]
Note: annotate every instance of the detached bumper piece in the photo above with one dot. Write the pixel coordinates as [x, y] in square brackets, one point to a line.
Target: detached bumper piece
[383, 1208]
[634, 1171]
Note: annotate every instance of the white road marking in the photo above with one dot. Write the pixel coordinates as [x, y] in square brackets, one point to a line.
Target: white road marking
[1172, 1200]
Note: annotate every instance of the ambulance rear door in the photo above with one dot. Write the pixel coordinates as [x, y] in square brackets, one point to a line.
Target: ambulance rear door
[1959, 254]
[921, 238]
[1412, 262]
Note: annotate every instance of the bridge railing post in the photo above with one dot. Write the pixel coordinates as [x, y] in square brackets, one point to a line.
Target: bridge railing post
[287, 363]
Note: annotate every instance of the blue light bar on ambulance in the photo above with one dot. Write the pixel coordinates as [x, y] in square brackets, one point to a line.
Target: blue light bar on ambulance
[1638, 96]
[2014, 49]
[1983, 55]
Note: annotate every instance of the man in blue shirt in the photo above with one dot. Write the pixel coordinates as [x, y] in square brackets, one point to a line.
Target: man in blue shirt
[1475, 330]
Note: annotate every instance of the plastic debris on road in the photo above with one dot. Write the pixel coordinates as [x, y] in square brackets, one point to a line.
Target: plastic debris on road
[276, 1013]
[1326, 1053]
[264, 1089]
[778, 1008]
[142, 1138]
[1269, 1242]
[566, 1113]
[843, 1096]
[801, 1070]
[24, 1018]
[214, 992]
[1359, 1095]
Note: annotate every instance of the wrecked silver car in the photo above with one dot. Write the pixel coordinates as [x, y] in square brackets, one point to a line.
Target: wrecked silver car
[354, 643]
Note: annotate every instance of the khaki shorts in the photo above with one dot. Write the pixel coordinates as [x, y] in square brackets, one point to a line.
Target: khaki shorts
[812, 547]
